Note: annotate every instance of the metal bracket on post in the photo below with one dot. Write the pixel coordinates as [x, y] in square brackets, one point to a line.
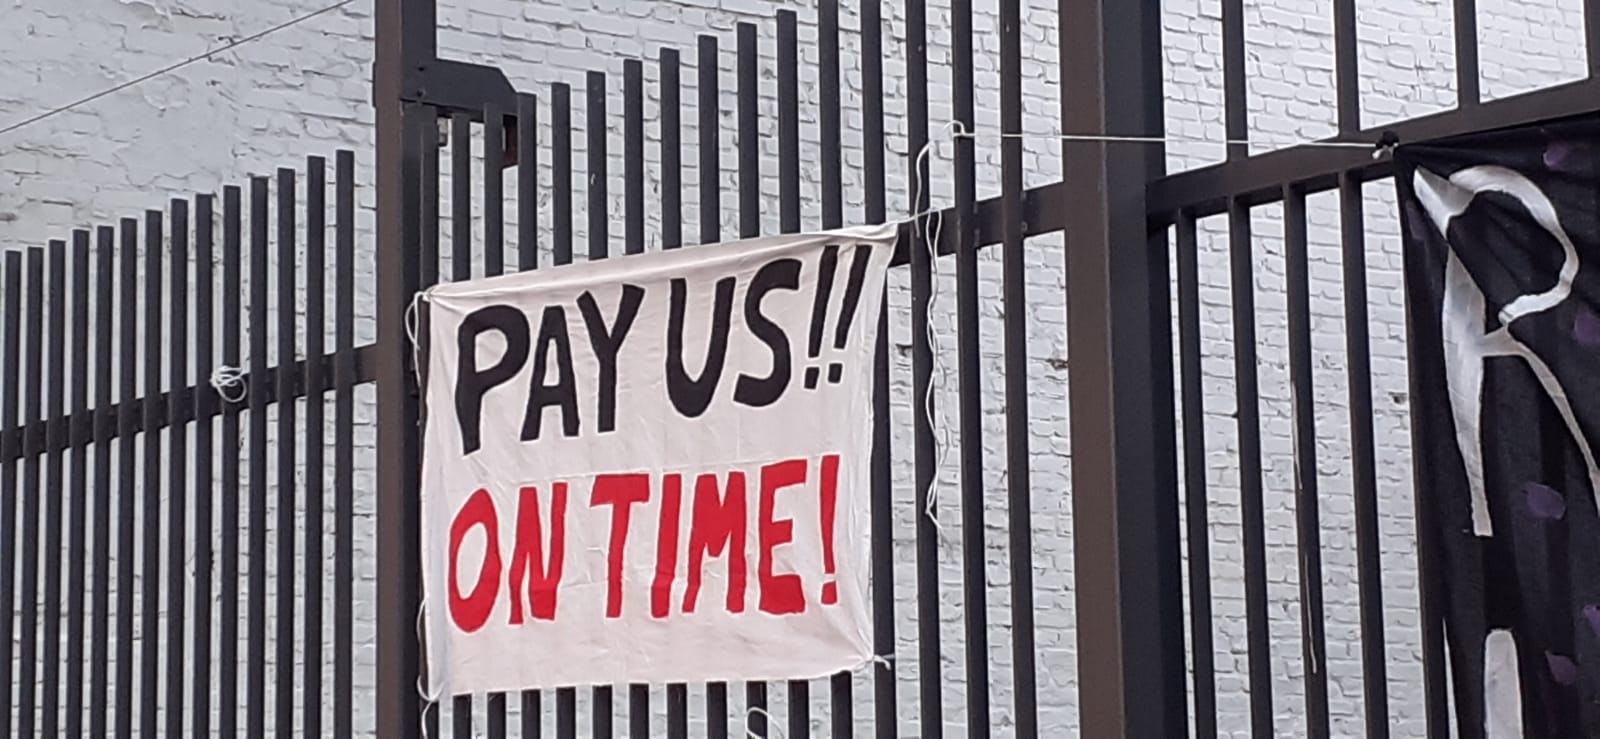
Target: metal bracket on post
[459, 87]
[453, 86]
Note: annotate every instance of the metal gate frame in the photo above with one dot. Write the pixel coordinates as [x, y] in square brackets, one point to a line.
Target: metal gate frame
[1116, 211]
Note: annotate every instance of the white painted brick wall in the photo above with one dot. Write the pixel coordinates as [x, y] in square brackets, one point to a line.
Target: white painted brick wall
[305, 90]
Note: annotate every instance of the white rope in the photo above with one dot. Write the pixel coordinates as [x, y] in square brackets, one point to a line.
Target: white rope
[226, 380]
[931, 221]
[428, 701]
[772, 724]
[411, 318]
[930, 238]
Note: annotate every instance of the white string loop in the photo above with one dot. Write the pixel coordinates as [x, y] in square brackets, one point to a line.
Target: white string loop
[772, 724]
[428, 701]
[412, 318]
[932, 222]
[229, 383]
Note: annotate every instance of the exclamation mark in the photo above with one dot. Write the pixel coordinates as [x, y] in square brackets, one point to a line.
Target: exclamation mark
[819, 310]
[830, 499]
[847, 312]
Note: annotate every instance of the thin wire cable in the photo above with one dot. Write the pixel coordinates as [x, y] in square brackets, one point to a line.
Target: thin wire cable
[930, 223]
[956, 130]
[231, 45]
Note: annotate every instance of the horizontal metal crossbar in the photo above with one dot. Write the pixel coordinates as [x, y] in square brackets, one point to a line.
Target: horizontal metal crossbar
[194, 403]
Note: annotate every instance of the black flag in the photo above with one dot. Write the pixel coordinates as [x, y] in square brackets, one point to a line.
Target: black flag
[1502, 257]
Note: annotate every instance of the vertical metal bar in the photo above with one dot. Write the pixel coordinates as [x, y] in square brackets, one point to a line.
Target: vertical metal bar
[528, 258]
[8, 476]
[710, 164]
[788, 123]
[710, 167]
[127, 369]
[970, 409]
[1314, 646]
[633, 243]
[561, 181]
[150, 511]
[930, 693]
[460, 269]
[633, 182]
[286, 442]
[829, 128]
[799, 703]
[671, 117]
[884, 698]
[1248, 412]
[1125, 525]
[344, 369]
[1434, 678]
[527, 197]
[841, 714]
[599, 236]
[205, 402]
[1468, 92]
[33, 435]
[755, 693]
[1347, 63]
[1358, 368]
[228, 527]
[316, 328]
[428, 210]
[178, 338]
[1374, 667]
[561, 164]
[494, 264]
[78, 482]
[104, 426]
[1197, 510]
[461, 210]
[428, 274]
[494, 224]
[256, 393]
[1235, 95]
[406, 37]
[595, 128]
[885, 719]
[54, 492]
[672, 238]
[1235, 98]
[1591, 35]
[748, 114]
[1019, 493]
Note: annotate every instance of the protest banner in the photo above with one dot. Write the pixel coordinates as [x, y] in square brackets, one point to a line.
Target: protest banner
[652, 469]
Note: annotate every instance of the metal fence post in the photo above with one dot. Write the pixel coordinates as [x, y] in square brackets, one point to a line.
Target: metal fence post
[1118, 326]
[407, 41]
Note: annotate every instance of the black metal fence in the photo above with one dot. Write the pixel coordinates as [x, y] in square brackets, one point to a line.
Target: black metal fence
[179, 521]
[152, 594]
[1280, 184]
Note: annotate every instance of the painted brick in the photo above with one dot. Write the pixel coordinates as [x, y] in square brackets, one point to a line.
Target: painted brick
[305, 91]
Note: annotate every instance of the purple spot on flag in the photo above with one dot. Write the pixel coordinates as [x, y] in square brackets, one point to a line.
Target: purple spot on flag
[1566, 156]
[1557, 153]
[1586, 328]
[1543, 501]
[1591, 614]
[1562, 669]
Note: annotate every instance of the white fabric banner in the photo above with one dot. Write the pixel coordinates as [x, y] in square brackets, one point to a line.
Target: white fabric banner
[654, 468]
